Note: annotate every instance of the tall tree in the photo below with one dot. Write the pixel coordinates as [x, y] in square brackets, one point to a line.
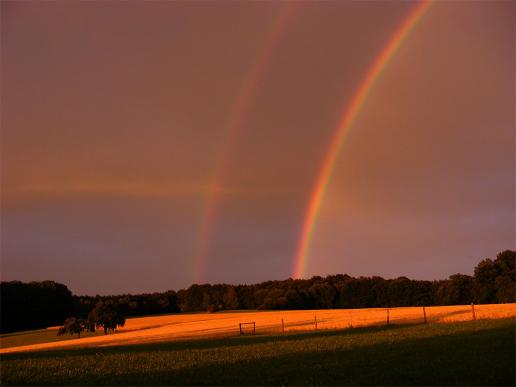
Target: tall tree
[107, 315]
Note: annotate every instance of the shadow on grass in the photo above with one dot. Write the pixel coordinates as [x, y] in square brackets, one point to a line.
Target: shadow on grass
[450, 314]
[473, 357]
[179, 345]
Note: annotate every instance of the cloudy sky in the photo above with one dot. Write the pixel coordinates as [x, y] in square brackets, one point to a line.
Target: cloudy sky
[149, 145]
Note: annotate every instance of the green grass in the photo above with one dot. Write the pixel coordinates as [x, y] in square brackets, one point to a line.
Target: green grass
[38, 336]
[469, 353]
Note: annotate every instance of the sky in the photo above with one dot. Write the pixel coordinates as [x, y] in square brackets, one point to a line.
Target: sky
[146, 146]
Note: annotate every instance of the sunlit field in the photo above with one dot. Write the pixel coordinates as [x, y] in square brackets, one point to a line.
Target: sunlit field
[479, 352]
[226, 324]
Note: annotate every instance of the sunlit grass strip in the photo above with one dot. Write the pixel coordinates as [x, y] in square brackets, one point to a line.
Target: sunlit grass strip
[215, 325]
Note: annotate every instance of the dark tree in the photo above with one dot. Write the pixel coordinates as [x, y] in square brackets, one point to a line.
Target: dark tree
[485, 277]
[230, 300]
[73, 325]
[106, 315]
[457, 290]
[505, 282]
[323, 295]
[34, 305]
[495, 281]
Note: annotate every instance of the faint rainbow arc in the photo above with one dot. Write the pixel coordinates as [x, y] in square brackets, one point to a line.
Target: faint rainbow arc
[345, 124]
[240, 112]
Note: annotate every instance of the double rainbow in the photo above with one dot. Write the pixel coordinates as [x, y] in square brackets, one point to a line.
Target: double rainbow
[243, 106]
[345, 124]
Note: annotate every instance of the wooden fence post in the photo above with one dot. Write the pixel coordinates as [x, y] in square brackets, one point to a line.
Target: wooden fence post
[282, 326]
[473, 311]
[424, 314]
[387, 316]
[315, 320]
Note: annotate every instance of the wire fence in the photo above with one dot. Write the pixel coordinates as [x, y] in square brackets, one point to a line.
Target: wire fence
[293, 321]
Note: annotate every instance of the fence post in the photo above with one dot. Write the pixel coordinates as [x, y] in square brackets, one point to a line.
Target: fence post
[473, 311]
[282, 326]
[424, 314]
[387, 316]
[315, 320]
[254, 328]
[240, 327]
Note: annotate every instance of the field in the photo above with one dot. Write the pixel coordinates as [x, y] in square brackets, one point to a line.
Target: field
[18, 339]
[480, 352]
[219, 325]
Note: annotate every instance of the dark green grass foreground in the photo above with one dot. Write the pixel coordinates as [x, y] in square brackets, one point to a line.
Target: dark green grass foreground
[469, 353]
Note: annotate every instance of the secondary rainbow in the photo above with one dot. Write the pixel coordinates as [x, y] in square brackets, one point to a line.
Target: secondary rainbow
[345, 124]
[240, 112]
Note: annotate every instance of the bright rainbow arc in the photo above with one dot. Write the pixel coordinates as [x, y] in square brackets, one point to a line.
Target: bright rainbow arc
[345, 124]
[240, 112]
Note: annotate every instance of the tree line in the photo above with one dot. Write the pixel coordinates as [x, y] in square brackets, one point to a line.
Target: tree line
[41, 304]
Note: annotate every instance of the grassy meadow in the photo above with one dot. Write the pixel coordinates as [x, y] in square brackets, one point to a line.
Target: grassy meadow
[480, 352]
[188, 326]
[39, 336]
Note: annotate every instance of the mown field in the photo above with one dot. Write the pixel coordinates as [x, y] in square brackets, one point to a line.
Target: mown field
[226, 324]
[480, 352]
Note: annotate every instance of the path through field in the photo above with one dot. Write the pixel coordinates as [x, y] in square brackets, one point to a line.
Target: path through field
[207, 325]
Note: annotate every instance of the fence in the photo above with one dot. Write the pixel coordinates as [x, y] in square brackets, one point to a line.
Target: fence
[242, 326]
[290, 321]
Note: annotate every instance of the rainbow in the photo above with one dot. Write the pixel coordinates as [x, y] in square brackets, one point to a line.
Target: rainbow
[240, 112]
[345, 124]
